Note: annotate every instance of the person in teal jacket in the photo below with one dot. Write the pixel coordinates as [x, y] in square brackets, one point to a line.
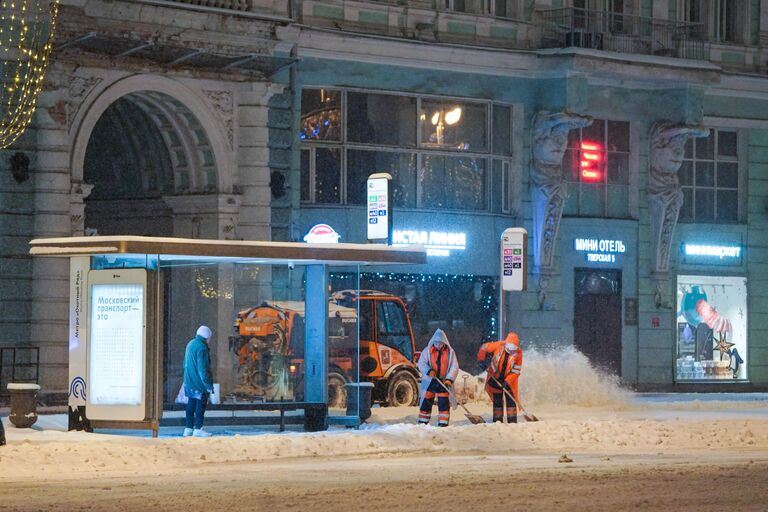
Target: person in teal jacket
[198, 381]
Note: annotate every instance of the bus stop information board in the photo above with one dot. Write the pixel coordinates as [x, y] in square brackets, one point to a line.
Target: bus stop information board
[378, 207]
[514, 265]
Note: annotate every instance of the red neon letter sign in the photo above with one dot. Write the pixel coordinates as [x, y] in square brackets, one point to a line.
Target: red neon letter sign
[591, 161]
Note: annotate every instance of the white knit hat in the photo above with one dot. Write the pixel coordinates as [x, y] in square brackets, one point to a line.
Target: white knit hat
[204, 331]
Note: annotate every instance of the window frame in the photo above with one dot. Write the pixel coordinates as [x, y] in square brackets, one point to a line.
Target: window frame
[421, 150]
[713, 21]
[740, 188]
[630, 181]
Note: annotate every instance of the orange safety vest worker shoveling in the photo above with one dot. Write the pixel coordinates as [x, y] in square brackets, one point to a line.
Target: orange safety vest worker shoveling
[439, 367]
[503, 372]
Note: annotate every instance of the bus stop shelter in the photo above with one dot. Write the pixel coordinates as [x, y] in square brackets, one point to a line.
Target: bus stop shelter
[134, 303]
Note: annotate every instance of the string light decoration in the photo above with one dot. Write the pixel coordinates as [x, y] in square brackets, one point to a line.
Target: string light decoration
[26, 34]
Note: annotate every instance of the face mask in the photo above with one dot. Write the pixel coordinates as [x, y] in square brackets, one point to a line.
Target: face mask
[511, 348]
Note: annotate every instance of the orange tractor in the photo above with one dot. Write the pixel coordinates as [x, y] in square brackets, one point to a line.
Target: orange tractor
[269, 344]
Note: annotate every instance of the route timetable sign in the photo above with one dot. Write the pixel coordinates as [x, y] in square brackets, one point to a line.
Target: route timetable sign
[514, 259]
[379, 206]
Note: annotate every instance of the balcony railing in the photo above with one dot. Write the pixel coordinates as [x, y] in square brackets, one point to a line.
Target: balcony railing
[273, 8]
[618, 32]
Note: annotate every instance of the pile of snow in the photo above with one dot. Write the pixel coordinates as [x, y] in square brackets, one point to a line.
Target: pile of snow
[566, 377]
[556, 377]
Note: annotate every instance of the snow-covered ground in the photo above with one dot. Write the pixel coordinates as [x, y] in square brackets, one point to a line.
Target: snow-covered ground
[583, 415]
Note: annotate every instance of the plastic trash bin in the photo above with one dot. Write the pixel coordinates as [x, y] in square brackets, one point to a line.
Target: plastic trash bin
[362, 390]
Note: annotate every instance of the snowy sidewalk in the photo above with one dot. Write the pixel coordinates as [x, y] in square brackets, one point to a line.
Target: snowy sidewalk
[649, 425]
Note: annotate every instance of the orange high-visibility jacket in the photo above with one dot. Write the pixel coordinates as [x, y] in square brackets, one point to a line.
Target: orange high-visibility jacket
[512, 366]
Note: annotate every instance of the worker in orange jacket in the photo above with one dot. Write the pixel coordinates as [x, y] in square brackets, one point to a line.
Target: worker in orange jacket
[503, 361]
[439, 367]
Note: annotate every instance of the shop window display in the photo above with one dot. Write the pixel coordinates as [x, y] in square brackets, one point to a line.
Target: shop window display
[711, 328]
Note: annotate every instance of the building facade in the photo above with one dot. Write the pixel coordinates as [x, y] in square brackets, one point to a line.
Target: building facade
[630, 138]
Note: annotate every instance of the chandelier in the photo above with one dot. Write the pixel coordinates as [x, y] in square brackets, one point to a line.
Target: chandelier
[26, 32]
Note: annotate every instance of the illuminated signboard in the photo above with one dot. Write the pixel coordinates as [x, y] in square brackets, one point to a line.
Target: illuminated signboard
[437, 243]
[378, 206]
[322, 234]
[706, 253]
[116, 344]
[514, 258]
[592, 161]
[599, 250]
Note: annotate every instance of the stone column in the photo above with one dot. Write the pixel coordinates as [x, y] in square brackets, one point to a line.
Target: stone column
[210, 216]
[253, 160]
[52, 218]
[548, 190]
[77, 195]
[664, 195]
[213, 217]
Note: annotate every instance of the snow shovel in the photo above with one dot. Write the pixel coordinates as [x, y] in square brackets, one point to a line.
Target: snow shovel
[526, 415]
[473, 418]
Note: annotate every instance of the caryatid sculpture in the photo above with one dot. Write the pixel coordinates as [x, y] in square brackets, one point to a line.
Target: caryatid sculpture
[549, 142]
[664, 194]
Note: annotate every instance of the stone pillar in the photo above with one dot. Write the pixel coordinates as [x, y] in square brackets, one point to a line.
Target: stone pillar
[16, 224]
[77, 194]
[52, 218]
[548, 190]
[210, 216]
[213, 217]
[665, 197]
[253, 160]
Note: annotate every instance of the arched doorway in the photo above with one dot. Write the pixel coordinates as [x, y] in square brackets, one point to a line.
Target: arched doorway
[154, 161]
[145, 148]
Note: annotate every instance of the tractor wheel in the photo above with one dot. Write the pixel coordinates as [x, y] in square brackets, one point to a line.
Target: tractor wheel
[403, 390]
[337, 394]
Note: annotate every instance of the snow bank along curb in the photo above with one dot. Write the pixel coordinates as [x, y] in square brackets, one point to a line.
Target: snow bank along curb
[61, 455]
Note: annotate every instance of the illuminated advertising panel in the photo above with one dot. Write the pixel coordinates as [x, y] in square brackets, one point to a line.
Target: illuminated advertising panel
[711, 254]
[592, 161]
[116, 344]
[378, 206]
[599, 250]
[514, 266]
[437, 243]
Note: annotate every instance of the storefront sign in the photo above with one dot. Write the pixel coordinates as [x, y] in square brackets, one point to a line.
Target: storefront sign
[599, 250]
[728, 254]
[379, 214]
[322, 234]
[437, 243]
[514, 257]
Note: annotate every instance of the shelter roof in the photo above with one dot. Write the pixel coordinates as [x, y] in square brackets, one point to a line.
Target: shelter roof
[189, 250]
